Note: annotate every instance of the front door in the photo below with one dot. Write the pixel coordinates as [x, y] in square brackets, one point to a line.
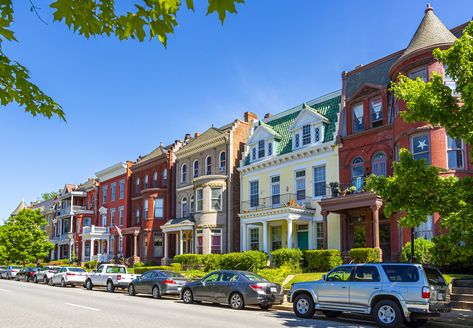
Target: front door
[302, 239]
[336, 288]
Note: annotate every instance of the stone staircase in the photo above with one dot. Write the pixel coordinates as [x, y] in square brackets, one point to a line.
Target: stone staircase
[462, 294]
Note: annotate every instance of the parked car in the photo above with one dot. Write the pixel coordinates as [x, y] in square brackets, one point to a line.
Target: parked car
[65, 276]
[393, 293]
[235, 288]
[45, 274]
[157, 283]
[10, 272]
[26, 274]
[110, 276]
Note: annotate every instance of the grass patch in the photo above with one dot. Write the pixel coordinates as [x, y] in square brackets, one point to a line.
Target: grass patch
[450, 276]
[303, 277]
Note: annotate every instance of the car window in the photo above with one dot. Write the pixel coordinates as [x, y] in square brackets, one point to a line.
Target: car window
[434, 277]
[115, 269]
[254, 277]
[212, 277]
[171, 274]
[228, 277]
[146, 275]
[402, 273]
[340, 274]
[76, 270]
[99, 270]
[366, 274]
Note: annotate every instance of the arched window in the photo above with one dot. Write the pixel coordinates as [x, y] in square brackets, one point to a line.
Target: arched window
[165, 178]
[378, 164]
[208, 165]
[155, 180]
[184, 173]
[223, 161]
[192, 204]
[196, 169]
[357, 173]
[184, 208]
[146, 182]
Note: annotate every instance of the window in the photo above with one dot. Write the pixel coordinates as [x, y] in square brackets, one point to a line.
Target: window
[112, 217]
[184, 209]
[184, 173]
[86, 222]
[121, 213]
[216, 204]
[300, 186]
[199, 195]
[254, 239]
[92, 201]
[192, 204]
[223, 161]
[216, 241]
[200, 242]
[165, 178]
[114, 190]
[145, 209]
[376, 112]
[449, 82]
[319, 235]
[340, 274]
[104, 194]
[104, 220]
[158, 207]
[357, 173]
[137, 215]
[137, 184]
[196, 169]
[366, 274]
[208, 165]
[401, 273]
[270, 148]
[254, 193]
[253, 153]
[261, 150]
[146, 181]
[317, 134]
[379, 164]
[425, 229]
[275, 191]
[306, 137]
[420, 147]
[122, 188]
[419, 72]
[157, 244]
[358, 118]
[455, 153]
[155, 180]
[296, 141]
[276, 237]
[319, 181]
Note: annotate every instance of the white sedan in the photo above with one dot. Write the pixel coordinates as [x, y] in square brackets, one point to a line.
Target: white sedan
[68, 276]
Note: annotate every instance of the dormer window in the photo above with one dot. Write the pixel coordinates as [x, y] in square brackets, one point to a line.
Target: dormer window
[306, 135]
[376, 112]
[261, 149]
[358, 118]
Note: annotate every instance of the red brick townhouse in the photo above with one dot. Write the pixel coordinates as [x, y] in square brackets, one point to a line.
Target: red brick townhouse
[371, 133]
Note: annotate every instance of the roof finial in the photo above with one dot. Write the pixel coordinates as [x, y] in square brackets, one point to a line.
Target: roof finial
[429, 8]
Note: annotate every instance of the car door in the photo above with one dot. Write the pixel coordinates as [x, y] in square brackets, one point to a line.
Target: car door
[141, 281]
[206, 288]
[335, 289]
[97, 276]
[149, 282]
[365, 282]
[225, 286]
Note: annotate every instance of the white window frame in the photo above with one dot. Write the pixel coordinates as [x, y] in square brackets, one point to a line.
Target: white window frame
[112, 217]
[184, 173]
[104, 194]
[121, 215]
[319, 181]
[222, 164]
[208, 166]
[195, 170]
[274, 184]
[158, 201]
[113, 189]
[220, 197]
[251, 194]
[192, 204]
[462, 152]
[145, 209]
[199, 201]
[121, 186]
[213, 232]
[250, 242]
[184, 202]
[261, 148]
[307, 135]
[300, 201]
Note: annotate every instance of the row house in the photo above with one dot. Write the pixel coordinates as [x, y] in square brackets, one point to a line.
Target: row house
[48, 209]
[207, 192]
[371, 134]
[289, 160]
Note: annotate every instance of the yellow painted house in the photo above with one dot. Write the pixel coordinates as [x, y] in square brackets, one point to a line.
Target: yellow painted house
[289, 161]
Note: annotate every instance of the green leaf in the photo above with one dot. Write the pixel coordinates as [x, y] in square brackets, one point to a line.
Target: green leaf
[221, 7]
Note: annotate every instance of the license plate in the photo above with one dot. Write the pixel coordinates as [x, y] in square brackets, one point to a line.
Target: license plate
[274, 290]
[441, 297]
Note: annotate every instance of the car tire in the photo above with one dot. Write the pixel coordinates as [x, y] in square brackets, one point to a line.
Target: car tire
[187, 296]
[236, 301]
[63, 283]
[110, 287]
[131, 290]
[304, 306]
[387, 314]
[88, 284]
[332, 314]
[415, 323]
[265, 307]
[156, 292]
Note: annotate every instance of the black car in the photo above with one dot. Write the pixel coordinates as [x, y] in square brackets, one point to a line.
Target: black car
[157, 283]
[235, 288]
[27, 274]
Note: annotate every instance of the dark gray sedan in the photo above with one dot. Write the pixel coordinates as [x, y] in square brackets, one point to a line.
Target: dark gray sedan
[157, 283]
[235, 288]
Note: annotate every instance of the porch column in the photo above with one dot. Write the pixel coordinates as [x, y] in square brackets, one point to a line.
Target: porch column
[243, 237]
[181, 243]
[92, 248]
[311, 234]
[166, 252]
[108, 246]
[289, 233]
[135, 237]
[375, 210]
[325, 228]
[71, 224]
[265, 237]
[71, 245]
[177, 244]
[83, 251]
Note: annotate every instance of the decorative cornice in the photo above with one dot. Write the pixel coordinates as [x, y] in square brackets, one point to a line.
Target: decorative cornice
[276, 211]
[192, 149]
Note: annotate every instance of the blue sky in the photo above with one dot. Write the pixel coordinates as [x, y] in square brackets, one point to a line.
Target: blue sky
[123, 98]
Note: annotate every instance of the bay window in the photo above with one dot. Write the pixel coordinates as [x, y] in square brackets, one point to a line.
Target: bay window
[216, 202]
[199, 195]
[158, 207]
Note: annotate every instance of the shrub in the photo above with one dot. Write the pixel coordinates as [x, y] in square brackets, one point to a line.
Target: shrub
[291, 257]
[365, 255]
[422, 251]
[451, 254]
[91, 264]
[176, 267]
[193, 274]
[277, 275]
[151, 263]
[189, 260]
[323, 260]
[138, 265]
[211, 262]
[59, 262]
[143, 269]
[245, 261]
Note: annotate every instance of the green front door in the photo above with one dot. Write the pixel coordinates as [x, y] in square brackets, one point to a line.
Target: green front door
[303, 239]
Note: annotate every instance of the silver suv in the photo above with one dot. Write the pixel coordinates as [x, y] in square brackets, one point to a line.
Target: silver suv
[393, 293]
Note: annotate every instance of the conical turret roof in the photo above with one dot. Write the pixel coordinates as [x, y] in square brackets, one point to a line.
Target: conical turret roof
[20, 207]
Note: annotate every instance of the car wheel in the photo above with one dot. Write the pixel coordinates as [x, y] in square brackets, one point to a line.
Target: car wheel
[332, 314]
[265, 307]
[388, 314]
[187, 296]
[304, 306]
[110, 287]
[88, 284]
[131, 290]
[415, 323]
[236, 301]
[156, 292]
[63, 283]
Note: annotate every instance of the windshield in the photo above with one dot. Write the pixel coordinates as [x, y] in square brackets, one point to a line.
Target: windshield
[254, 277]
[434, 277]
[76, 270]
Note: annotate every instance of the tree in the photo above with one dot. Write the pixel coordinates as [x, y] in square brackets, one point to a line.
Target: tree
[23, 237]
[146, 19]
[49, 195]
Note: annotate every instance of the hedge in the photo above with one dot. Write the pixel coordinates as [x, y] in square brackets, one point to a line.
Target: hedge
[91, 264]
[322, 260]
[365, 255]
[245, 261]
[291, 257]
[277, 275]
[211, 262]
[423, 250]
[143, 269]
[189, 260]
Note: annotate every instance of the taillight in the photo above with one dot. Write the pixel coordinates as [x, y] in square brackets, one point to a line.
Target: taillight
[70, 274]
[119, 277]
[31, 273]
[169, 282]
[257, 288]
[425, 292]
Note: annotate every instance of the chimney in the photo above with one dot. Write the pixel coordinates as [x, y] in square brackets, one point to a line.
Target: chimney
[187, 136]
[268, 115]
[196, 135]
[250, 116]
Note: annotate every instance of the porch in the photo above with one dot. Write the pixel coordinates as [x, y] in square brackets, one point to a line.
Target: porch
[95, 244]
[179, 237]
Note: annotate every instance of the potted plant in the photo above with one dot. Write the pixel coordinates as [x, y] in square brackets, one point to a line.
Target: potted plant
[353, 190]
[334, 188]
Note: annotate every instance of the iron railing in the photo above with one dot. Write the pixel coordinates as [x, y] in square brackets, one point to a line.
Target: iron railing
[275, 201]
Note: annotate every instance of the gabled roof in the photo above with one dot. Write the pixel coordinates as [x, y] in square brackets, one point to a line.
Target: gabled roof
[307, 110]
[265, 127]
[155, 153]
